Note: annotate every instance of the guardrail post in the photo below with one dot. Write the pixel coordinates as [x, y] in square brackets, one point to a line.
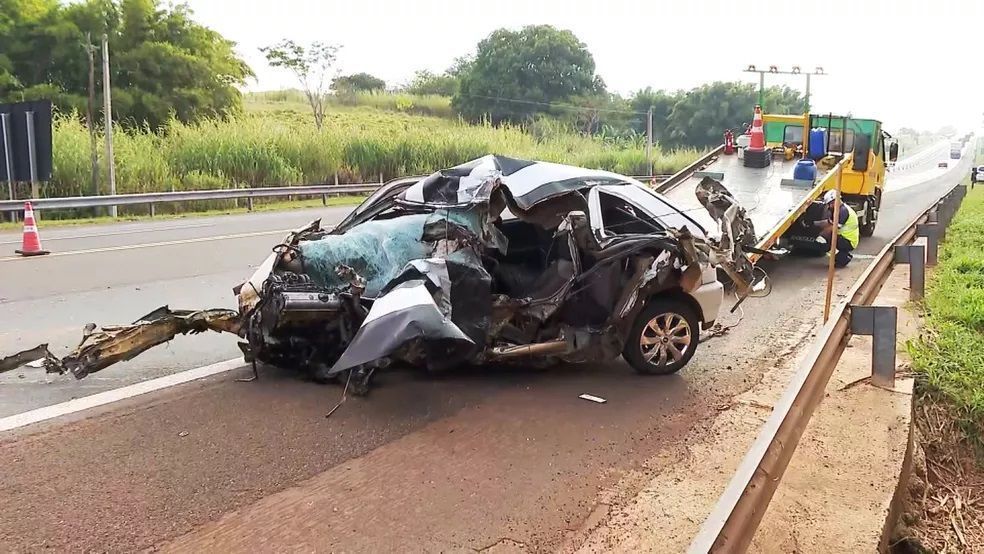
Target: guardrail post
[915, 256]
[324, 199]
[249, 203]
[931, 232]
[947, 215]
[881, 324]
[933, 216]
[152, 211]
[961, 192]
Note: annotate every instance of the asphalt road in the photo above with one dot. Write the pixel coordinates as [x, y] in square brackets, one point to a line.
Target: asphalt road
[117, 273]
[469, 460]
[925, 165]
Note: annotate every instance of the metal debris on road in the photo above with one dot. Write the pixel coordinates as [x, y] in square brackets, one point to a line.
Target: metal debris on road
[103, 347]
[592, 398]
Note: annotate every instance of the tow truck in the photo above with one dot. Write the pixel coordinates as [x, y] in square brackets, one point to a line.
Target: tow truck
[856, 154]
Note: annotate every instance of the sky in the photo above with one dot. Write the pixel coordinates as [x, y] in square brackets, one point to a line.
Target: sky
[906, 63]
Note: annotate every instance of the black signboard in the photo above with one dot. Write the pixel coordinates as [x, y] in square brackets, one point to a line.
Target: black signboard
[14, 140]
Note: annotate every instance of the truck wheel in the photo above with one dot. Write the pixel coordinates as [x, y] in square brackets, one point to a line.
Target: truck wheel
[663, 337]
[868, 227]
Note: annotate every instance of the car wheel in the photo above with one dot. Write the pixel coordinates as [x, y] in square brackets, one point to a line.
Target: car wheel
[663, 338]
[868, 227]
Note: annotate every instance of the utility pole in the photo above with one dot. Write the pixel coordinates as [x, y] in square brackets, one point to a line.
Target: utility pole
[649, 140]
[774, 70]
[108, 114]
[90, 120]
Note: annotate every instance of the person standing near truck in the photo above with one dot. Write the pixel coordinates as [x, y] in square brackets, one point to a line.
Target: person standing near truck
[848, 229]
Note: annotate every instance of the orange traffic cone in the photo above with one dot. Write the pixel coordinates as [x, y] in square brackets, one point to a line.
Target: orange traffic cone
[758, 131]
[756, 154]
[32, 241]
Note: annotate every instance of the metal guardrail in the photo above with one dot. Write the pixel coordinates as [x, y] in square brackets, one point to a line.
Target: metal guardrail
[152, 198]
[736, 517]
[184, 196]
[685, 173]
[923, 155]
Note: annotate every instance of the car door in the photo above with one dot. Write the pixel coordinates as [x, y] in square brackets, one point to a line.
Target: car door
[611, 206]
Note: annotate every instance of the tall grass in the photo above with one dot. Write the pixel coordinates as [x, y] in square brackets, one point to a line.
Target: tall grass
[950, 354]
[415, 104]
[282, 147]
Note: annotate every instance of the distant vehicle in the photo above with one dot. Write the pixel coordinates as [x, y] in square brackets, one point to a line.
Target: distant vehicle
[955, 148]
[944, 164]
[977, 174]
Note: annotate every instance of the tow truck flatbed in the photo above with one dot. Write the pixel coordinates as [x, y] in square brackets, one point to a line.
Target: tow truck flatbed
[770, 196]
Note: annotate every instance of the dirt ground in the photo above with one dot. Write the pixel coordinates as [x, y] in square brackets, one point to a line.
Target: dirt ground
[945, 513]
[838, 490]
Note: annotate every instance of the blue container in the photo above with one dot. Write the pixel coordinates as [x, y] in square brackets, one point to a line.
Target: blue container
[818, 142]
[805, 170]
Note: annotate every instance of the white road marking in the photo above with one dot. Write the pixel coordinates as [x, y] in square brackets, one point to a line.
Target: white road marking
[149, 245]
[116, 233]
[122, 393]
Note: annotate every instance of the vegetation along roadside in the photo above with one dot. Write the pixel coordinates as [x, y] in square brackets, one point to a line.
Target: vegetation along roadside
[947, 509]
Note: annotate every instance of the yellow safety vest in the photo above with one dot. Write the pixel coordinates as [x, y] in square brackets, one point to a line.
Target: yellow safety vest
[851, 229]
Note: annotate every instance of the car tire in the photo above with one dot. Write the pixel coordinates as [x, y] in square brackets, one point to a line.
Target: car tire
[663, 337]
[868, 227]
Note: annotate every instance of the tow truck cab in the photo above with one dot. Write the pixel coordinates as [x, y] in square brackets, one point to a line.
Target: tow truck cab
[868, 149]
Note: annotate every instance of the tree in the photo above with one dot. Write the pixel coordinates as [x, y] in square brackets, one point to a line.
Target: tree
[518, 74]
[164, 63]
[445, 84]
[311, 65]
[661, 103]
[593, 113]
[425, 82]
[359, 82]
[700, 116]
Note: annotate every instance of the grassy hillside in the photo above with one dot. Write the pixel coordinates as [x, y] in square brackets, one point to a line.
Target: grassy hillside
[275, 143]
[412, 104]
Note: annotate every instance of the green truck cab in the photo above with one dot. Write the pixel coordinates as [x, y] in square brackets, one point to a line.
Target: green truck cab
[867, 148]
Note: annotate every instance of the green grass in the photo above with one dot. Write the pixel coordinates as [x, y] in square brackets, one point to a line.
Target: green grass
[258, 206]
[282, 147]
[294, 100]
[366, 137]
[950, 353]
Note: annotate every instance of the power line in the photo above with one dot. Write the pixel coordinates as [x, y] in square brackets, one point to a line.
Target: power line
[550, 104]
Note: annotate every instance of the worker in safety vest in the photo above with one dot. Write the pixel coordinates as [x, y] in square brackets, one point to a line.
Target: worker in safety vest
[848, 232]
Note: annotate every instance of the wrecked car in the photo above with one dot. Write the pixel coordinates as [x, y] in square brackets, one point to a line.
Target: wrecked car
[492, 261]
